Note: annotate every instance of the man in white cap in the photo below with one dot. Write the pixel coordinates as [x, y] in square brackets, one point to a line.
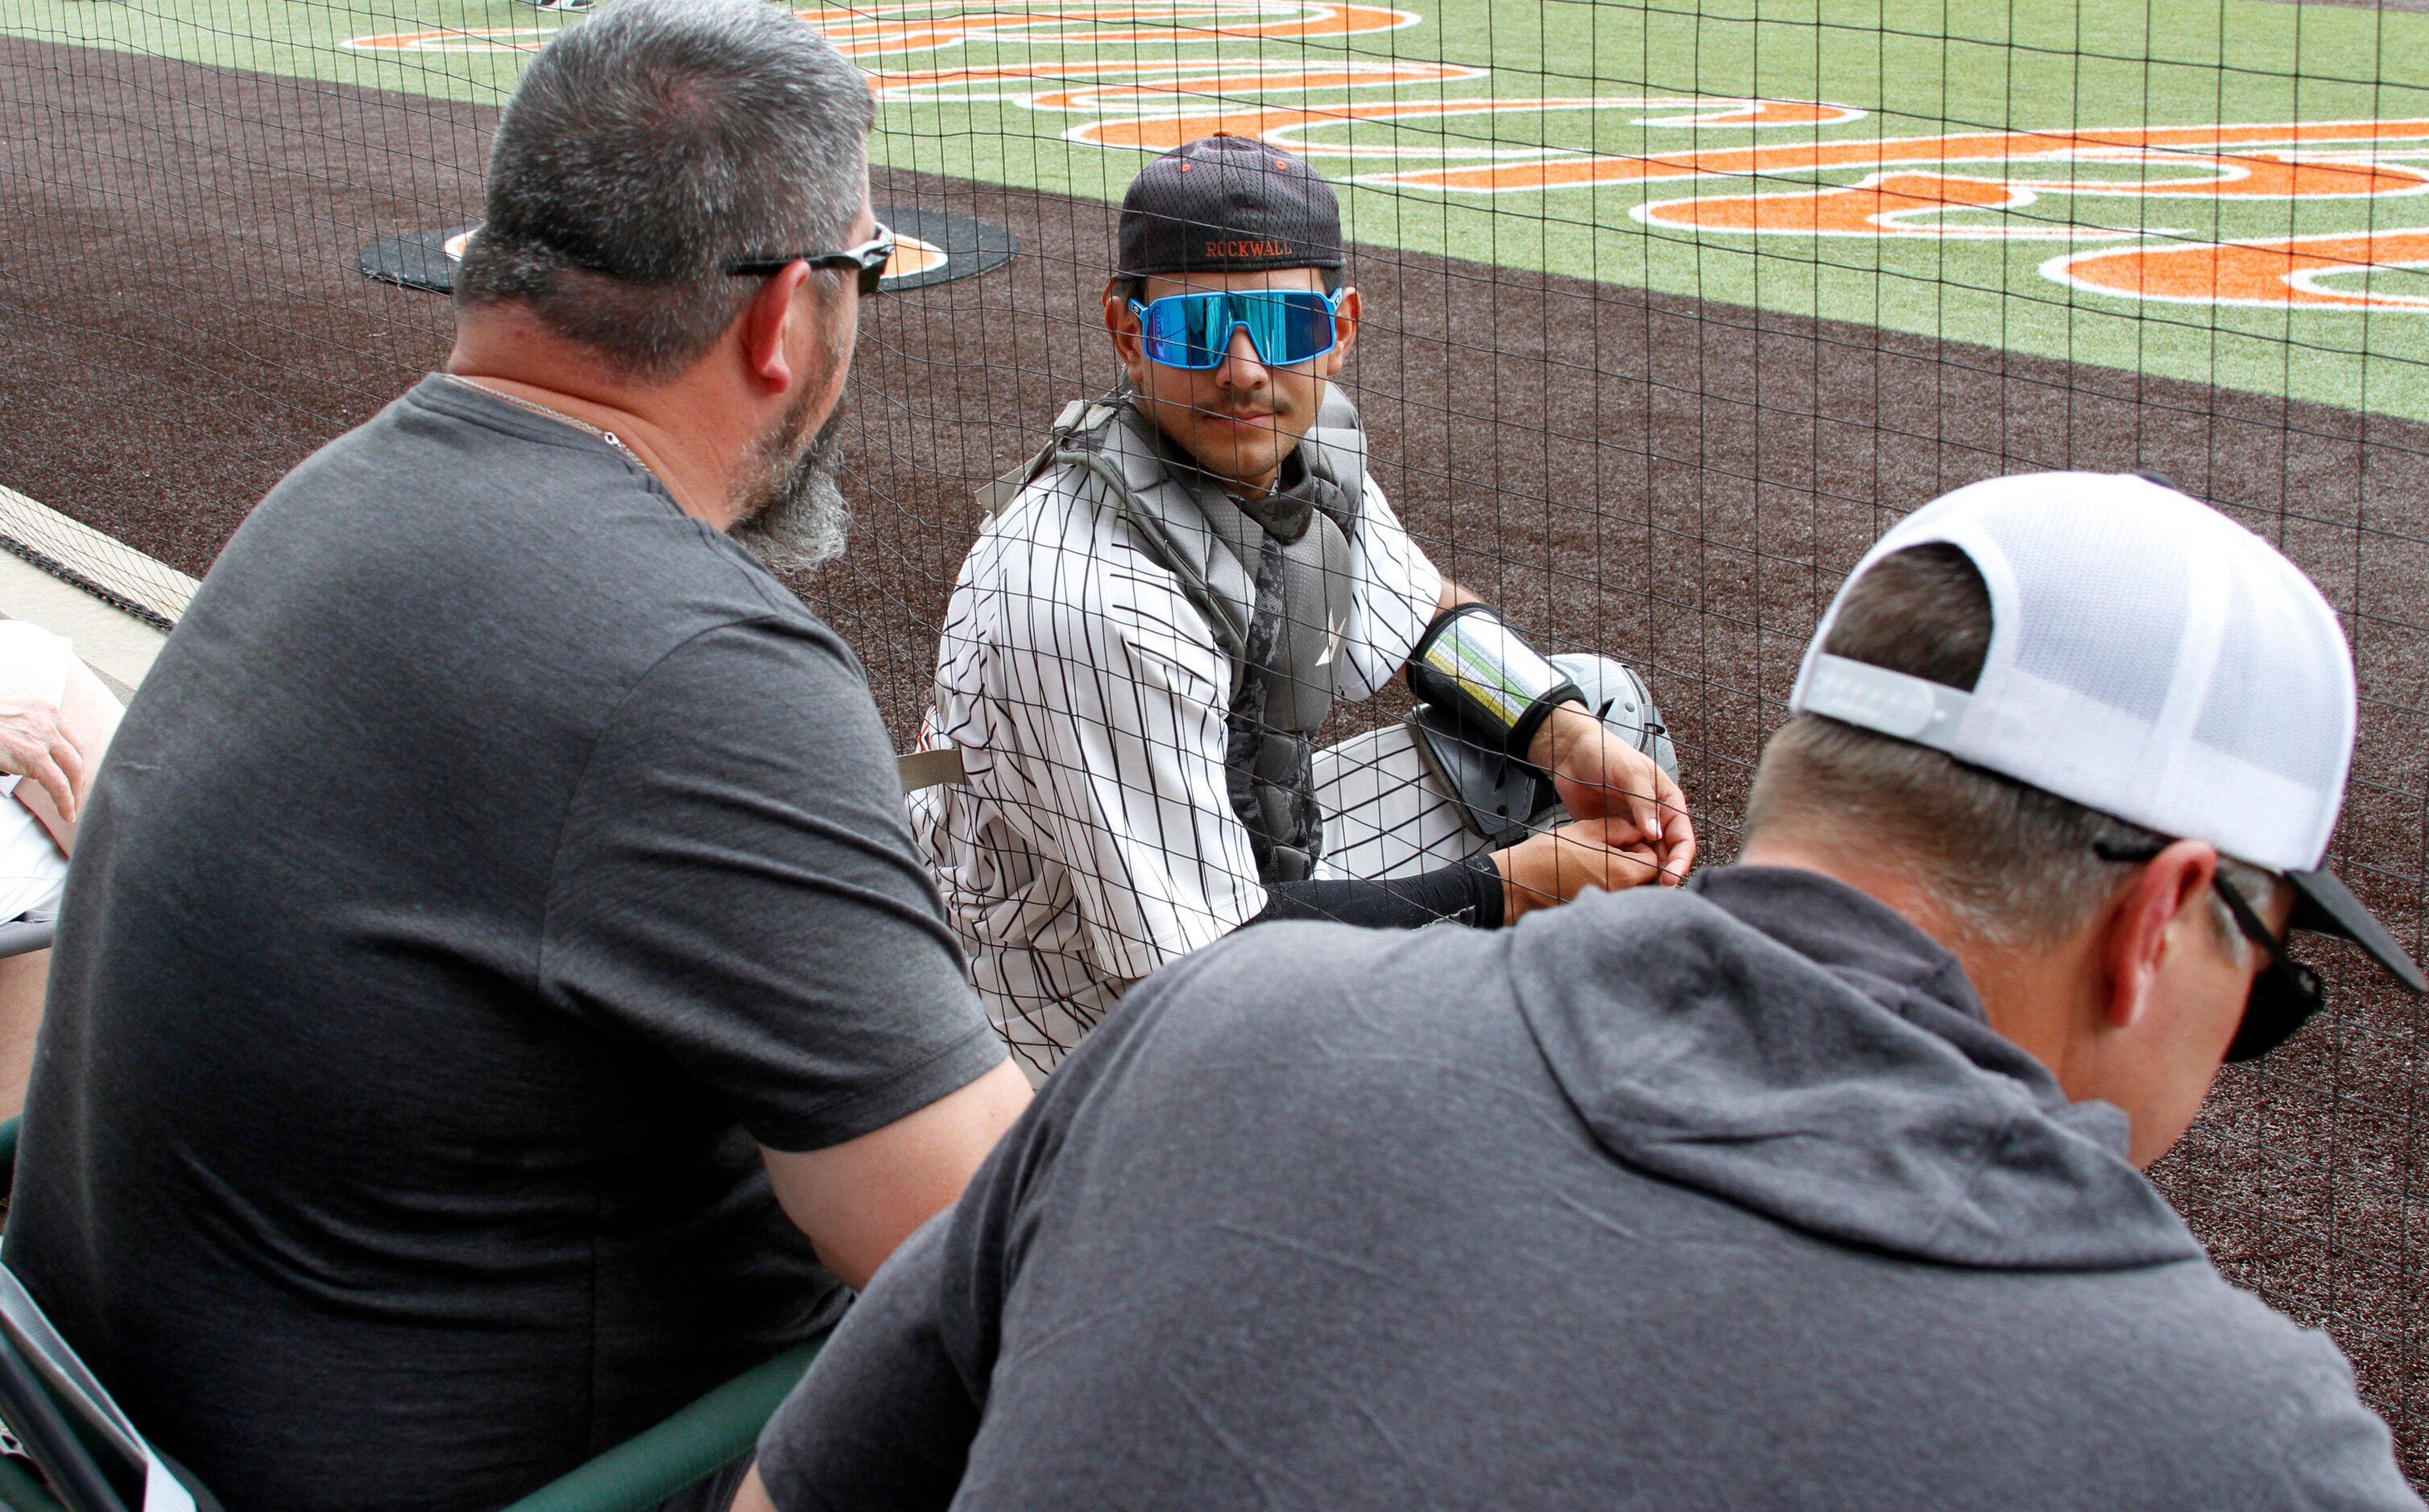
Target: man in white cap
[1814, 1183]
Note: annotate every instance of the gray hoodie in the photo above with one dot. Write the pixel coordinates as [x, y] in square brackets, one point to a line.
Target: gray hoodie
[1718, 1198]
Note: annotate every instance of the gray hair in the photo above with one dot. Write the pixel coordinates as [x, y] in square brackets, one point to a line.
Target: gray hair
[2013, 865]
[648, 147]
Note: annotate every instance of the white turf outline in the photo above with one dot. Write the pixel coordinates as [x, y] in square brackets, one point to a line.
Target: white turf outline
[1892, 224]
[1713, 109]
[1920, 145]
[1227, 15]
[1889, 225]
[2059, 269]
[437, 40]
[1286, 77]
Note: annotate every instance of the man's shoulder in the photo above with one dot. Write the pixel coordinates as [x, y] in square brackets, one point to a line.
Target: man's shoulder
[2223, 1381]
[1059, 565]
[481, 487]
[1066, 507]
[454, 553]
[736, 670]
[441, 437]
[1316, 993]
[2219, 1341]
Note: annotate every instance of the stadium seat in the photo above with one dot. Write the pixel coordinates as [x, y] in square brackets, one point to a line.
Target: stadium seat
[92, 1458]
[95, 1461]
[710, 1434]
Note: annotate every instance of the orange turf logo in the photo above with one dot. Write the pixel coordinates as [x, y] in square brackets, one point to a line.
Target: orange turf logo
[2027, 187]
[2285, 272]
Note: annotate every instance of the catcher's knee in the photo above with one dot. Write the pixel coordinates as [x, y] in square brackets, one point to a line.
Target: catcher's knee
[1620, 698]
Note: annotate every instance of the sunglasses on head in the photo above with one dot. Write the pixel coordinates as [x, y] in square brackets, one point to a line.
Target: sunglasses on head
[2284, 996]
[869, 257]
[1287, 326]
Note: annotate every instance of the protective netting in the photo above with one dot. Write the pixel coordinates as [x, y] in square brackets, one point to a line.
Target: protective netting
[1669, 309]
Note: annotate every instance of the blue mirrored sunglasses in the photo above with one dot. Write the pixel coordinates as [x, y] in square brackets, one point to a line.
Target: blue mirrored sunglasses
[1287, 326]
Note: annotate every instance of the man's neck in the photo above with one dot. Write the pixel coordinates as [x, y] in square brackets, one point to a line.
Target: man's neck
[1859, 868]
[679, 433]
[2026, 996]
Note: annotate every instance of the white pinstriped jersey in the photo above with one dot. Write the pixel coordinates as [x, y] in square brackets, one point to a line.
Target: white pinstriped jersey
[1096, 840]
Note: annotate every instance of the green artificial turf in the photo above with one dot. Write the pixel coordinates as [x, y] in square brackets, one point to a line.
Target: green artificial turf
[1915, 67]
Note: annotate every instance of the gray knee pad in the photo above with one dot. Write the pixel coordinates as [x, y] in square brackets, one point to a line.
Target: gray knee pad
[1624, 703]
[1500, 799]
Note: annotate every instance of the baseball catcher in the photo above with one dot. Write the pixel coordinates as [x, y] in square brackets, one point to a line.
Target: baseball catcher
[1163, 608]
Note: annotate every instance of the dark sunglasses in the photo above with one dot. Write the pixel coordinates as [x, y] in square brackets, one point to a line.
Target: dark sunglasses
[2284, 996]
[871, 257]
[1287, 326]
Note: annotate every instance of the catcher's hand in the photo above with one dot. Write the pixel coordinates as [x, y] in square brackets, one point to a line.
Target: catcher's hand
[1599, 776]
[1555, 867]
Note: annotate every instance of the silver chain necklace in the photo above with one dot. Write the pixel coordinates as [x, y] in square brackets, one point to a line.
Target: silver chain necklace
[559, 416]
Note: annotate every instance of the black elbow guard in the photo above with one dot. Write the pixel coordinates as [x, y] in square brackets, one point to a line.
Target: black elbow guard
[1471, 663]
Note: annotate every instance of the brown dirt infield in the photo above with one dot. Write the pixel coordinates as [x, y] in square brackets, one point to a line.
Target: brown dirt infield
[1681, 485]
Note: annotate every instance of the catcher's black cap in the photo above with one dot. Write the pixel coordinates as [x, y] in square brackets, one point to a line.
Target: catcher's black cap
[1226, 203]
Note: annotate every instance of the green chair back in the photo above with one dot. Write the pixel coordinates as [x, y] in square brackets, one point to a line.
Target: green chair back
[635, 1476]
[92, 1455]
[703, 1438]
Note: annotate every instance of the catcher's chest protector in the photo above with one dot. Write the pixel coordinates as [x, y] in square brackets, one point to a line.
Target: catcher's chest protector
[1271, 577]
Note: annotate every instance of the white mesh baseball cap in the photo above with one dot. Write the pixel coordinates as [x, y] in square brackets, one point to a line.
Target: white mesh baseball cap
[2149, 658]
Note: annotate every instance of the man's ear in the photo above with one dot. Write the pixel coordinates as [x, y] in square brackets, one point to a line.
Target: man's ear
[1129, 343]
[2141, 925]
[1345, 325]
[769, 328]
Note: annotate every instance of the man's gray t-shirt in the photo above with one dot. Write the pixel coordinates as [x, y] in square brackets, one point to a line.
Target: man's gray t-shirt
[495, 857]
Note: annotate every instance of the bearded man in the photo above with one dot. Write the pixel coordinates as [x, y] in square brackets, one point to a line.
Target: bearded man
[498, 998]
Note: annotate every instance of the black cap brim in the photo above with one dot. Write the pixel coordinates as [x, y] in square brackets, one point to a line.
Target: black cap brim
[2323, 905]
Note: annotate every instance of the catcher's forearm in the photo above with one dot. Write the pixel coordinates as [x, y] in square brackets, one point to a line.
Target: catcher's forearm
[1470, 893]
[1473, 664]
